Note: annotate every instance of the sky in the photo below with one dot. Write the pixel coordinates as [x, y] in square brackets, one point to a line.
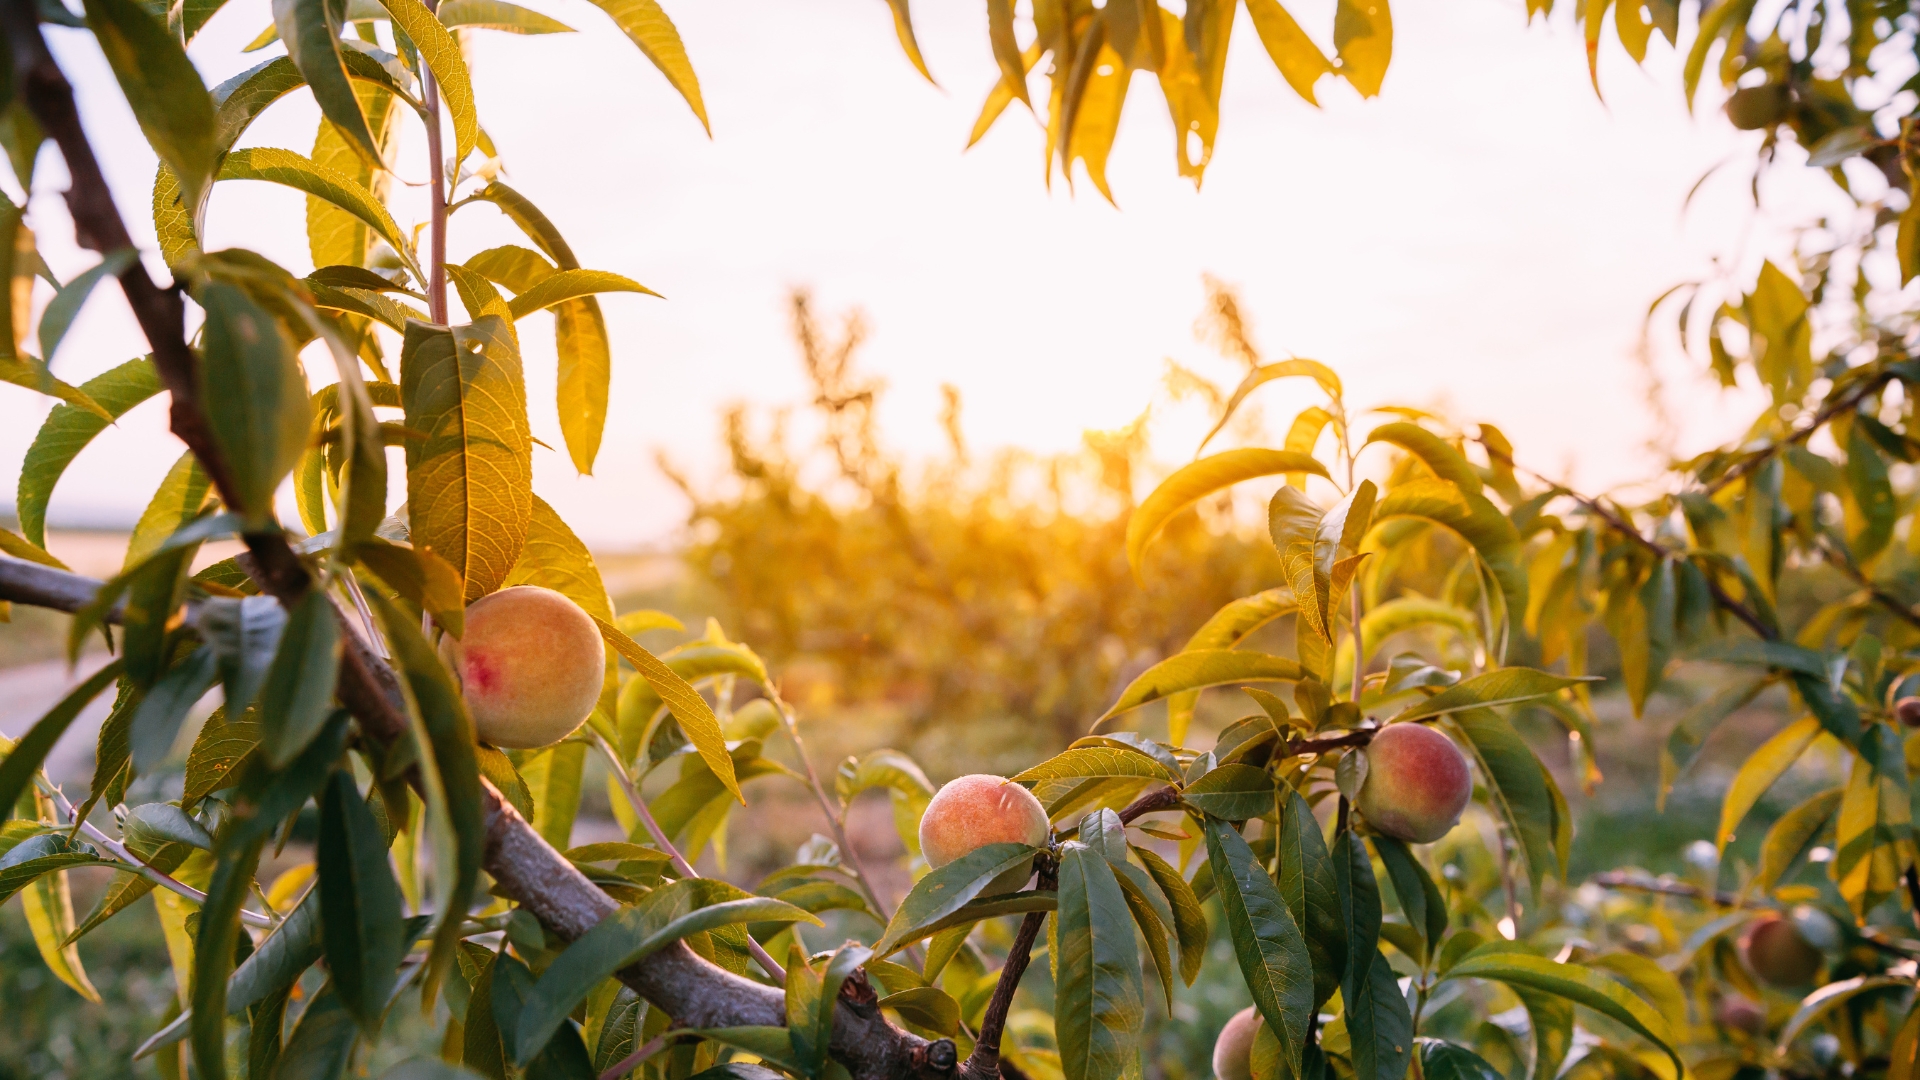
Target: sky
[1485, 236]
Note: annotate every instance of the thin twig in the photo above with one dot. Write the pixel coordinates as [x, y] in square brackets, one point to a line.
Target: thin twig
[1839, 561]
[1620, 525]
[680, 863]
[120, 852]
[1802, 433]
[984, 1062]
[632, 1061]
[884, 910]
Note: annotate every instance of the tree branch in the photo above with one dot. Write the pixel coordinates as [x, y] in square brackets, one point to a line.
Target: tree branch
[1624, 527]
[1804, 432]
[984, 1062]
[691, 990]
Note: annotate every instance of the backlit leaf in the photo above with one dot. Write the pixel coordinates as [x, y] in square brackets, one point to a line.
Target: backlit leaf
[303, 174]
[947, 889]
[1764, 766]
[163, 88]
[469, 479]
[311, 31]
[1191, 483]
[647, 25]
[1577, 984]
[1300, 61]
[67, 430]
[1198, 669]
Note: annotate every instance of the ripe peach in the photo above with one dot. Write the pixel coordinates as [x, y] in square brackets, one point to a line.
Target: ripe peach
[1233, 1050]
[1737, 1012]
[1779, 953]
[530, 666]
[1907, 711]
[1417, 783]
[972, 811]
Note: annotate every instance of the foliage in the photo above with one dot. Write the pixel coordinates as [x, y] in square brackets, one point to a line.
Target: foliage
[1419, 561]
[1014, 563]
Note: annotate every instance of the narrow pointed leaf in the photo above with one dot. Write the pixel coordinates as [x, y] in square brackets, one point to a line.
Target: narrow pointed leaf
[1194, 482]
[1267, 942]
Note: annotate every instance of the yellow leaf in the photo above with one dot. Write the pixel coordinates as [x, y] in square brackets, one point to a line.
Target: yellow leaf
[1758, 773]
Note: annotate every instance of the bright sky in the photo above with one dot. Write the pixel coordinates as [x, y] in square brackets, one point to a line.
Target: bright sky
[1486, 234]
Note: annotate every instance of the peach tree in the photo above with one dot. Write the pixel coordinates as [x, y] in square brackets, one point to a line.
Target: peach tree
[432, 676]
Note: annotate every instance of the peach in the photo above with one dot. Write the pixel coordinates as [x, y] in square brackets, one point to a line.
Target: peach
[1738, 1012]
[1779, 953]
[1417, 783]
[972, 811]
[1233, 1050]
[1907, 711]
[530, 666]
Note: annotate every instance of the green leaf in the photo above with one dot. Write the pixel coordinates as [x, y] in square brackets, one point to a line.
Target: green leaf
[948, 888]
[663, 917]
[1225, 629]
[1189, 918]
[647, 25]
[298, 695]
[421, 577]
[236, 856]
[1306, 879]
[32, 374]
[160, 84]
[222, 747]
[1101, 1001]
[311, 31]
[1233, 793]
[1551, 1019]
[360, 904]
[949, 931]
[1505, 686]
[552, 777]
[304, 174]
[1516, 786]
[450, 777]
[688, 707]
[181, 497]
[293, 947]
[1191, 483]
[244, 634]
[321, 1046]
[1267, 942]
[571, 285]
[1095, 761]
[1831, 996]
[1473, 518]
[254, 394]
[1378, 1023]
[1575, 983]
[1448, 1061]
[442, 56]
[26, 755]
[1198, 669]
[46, 853]
[67, 430]
[1436, 453]
[927, 1007]
[470, 479]
[498, 15]
[60, 311]
[1691, 730]
[1299, 60]
[1420, 898]
[1790, 835]
[156, 720]
[1363, 38]
[1764, 766]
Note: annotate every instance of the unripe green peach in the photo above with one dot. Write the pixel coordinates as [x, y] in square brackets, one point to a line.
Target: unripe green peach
[1779, 953]
[973, 811]
[1233, 1050]
[530, 666]
[1417, 783]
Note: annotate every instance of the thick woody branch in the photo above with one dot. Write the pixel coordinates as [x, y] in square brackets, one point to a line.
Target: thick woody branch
[528, 870]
